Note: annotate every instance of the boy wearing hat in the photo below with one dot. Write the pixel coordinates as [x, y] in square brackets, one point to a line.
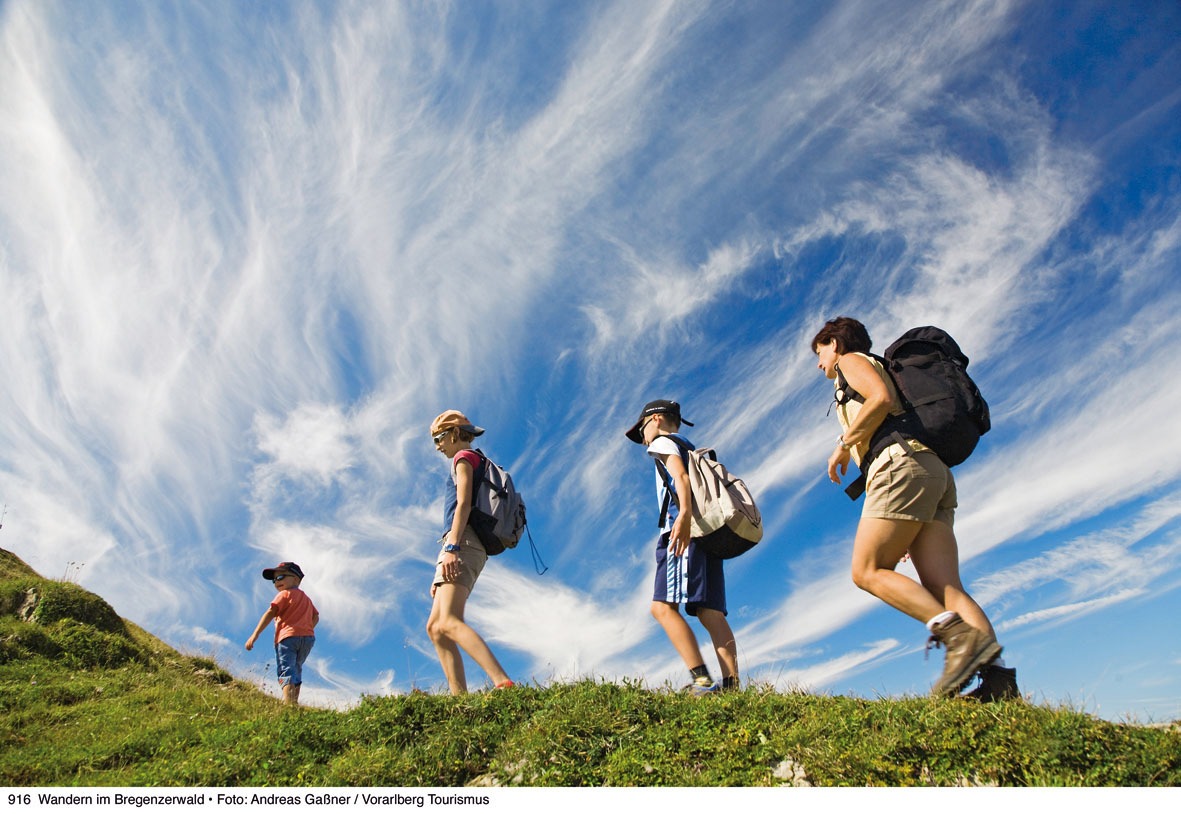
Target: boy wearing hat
[295, 623]
[461, 559]
[684, 574]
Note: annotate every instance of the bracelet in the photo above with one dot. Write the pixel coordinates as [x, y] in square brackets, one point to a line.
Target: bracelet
[842, 443]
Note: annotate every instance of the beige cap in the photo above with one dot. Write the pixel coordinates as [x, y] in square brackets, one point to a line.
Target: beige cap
[454, 420]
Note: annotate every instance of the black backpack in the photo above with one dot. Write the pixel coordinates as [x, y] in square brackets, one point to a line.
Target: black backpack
[942, 406]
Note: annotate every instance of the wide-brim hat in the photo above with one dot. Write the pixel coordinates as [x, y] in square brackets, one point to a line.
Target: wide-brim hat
[290, 567]
[454, 420]
[652, 408]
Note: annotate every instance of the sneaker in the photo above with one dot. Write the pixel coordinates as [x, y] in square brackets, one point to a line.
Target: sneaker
[701, 686]
[968, 649]
[996, 684]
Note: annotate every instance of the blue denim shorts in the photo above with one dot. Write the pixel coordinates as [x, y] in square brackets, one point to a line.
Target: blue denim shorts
[290, 654]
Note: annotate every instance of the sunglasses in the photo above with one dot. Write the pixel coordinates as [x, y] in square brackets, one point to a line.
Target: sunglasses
[280, 577]
[439, 436]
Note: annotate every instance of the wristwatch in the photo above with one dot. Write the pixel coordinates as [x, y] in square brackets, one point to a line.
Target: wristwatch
[842, 443]
[451, 548]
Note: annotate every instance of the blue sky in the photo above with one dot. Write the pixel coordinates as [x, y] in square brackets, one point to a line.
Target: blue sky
[249, 250]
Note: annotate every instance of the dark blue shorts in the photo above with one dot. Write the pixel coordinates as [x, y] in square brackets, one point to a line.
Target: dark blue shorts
[290, 655]
[695, 579]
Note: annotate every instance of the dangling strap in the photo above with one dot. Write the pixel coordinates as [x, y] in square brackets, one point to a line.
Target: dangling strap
[536, 554]
[857, 488]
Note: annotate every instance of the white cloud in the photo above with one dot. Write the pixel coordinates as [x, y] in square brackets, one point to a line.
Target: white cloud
[1071, 611]
[566, 632]
[829, 672]
[313, 442]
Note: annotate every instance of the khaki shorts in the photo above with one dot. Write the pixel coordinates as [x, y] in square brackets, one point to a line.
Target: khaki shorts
[472, 558]
[917, 486]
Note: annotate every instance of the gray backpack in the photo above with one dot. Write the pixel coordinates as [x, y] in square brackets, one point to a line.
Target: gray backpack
[498, 512]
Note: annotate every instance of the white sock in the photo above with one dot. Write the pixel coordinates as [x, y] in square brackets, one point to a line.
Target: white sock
[946, 616]
[999, 662]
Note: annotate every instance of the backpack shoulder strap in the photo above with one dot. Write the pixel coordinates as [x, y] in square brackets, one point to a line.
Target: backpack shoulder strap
[887, 433]
[844, 393]
[478, 474]
[483, 467]
[478, 470]
[684, 446]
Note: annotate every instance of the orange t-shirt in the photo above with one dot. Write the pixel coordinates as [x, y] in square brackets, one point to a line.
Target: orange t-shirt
[294, 614]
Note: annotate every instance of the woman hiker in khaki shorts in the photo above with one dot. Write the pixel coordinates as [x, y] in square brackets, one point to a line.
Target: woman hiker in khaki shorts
[910, 503]
[461, 559]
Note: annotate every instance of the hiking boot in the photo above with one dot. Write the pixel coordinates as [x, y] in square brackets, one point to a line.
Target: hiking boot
[701, 686]
[996, 684]
[968, 649]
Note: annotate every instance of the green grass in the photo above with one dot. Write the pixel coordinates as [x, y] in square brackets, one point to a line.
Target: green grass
[88, 699]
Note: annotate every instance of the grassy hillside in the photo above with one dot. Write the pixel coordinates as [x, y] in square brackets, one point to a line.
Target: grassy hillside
[89, 699]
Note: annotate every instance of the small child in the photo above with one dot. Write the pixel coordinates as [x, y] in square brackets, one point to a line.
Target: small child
[295, 622]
